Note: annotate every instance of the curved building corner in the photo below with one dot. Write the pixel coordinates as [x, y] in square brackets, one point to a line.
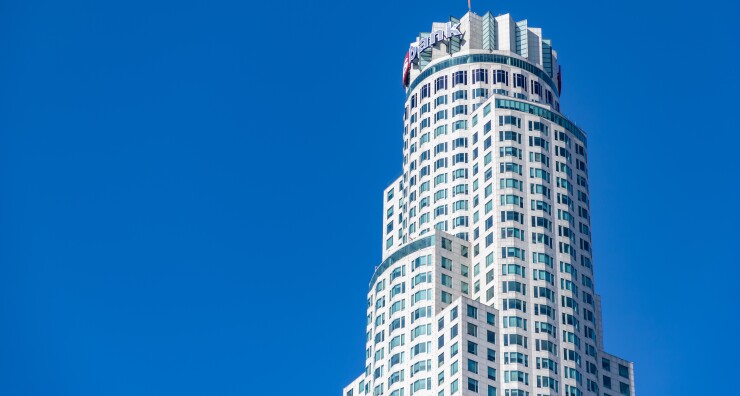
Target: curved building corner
[486, 285]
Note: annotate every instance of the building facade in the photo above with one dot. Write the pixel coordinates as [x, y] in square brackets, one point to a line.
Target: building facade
[486, 285]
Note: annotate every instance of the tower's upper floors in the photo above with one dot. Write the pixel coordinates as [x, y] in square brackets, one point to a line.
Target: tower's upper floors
[492, 207]
[503, 39]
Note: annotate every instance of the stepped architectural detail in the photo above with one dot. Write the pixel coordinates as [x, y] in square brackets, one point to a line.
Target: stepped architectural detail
[486, 285]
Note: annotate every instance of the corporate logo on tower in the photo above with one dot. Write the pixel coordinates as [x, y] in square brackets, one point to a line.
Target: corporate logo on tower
[406, 70]
[435, 37]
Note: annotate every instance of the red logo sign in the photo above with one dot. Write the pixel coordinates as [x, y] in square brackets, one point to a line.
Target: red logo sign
[406, 70]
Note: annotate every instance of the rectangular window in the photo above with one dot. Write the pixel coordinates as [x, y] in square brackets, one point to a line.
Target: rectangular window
[472, 348]
[472, 385]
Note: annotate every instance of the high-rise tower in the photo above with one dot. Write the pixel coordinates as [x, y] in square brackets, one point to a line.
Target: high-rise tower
[486, 285]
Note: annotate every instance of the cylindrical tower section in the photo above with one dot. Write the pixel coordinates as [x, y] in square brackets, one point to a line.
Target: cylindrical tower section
[489, 216]
[488, 158]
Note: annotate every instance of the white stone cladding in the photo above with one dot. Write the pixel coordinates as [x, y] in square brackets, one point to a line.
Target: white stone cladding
[491, 214]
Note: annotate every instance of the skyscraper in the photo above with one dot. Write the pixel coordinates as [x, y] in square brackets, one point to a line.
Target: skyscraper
[486, 283]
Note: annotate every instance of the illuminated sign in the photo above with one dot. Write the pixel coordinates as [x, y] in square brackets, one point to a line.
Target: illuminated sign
[406, 70]
[433, 38]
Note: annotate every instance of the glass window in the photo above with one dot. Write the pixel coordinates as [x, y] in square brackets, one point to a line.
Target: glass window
[459, 77]
[472, 348]
[480, 75]
[472, 385]
[624, 371]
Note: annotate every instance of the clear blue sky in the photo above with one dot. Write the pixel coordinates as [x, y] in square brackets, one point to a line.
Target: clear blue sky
[190, 191]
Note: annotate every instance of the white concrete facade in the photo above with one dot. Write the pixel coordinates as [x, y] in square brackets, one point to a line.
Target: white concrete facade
[490, 216]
